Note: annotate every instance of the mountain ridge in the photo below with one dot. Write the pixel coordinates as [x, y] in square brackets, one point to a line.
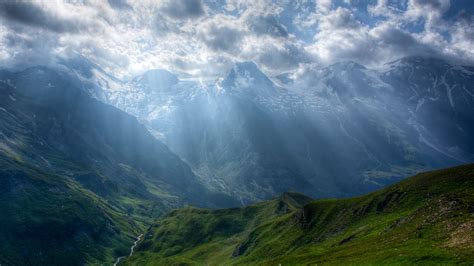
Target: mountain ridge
[346, 110]
[349, 114]
[426, 218]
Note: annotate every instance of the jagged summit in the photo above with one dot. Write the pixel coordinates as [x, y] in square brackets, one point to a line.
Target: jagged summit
[246, 74]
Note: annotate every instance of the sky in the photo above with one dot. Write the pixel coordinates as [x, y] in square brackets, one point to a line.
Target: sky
[204, 38]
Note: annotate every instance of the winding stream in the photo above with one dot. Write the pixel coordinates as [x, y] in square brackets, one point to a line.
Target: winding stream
[131, 250]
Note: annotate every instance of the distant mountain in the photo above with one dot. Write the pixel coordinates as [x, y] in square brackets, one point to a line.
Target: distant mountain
[425, 219]
[440, 99]
[342, 131]
[79, 178]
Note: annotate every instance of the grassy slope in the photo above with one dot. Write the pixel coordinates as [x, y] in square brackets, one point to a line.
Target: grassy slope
[427, 218]
[49, 219]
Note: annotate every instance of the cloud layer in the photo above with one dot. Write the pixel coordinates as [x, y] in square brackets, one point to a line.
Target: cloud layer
[203, 38]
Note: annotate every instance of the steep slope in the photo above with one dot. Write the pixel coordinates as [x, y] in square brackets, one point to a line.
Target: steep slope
[59, 148]
[252, 139]
[50, 219]
[45, 110]
[440, 99]
[427, 218]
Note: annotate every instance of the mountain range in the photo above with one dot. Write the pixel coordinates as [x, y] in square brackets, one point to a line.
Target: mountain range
[89, 162]
[254, 137]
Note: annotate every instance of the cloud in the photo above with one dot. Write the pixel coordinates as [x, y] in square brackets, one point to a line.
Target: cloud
[32, 15]
[120, 4]
[183, 9]
[275, 56]
[341, 37]
[391, 42]
[341, 18]
[385, 8]
[269, 24]
[462, 38]
[221, 34]
[430, 10]
[204, 38]
[323, 5]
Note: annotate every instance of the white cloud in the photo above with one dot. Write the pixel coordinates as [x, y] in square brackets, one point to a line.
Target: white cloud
[430, 10]
[222, 34]
[129, 37]
[324, 5]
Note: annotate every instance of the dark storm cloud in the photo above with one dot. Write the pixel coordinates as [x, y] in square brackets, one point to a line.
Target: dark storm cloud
[183, 9]
[32, 15]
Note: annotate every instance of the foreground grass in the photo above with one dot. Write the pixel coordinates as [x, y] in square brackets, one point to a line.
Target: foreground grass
[428, 218]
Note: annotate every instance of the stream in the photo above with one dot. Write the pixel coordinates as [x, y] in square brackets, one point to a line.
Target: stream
[131, 250]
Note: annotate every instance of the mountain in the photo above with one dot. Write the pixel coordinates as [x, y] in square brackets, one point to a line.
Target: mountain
[79, 179]
[425, 219]
[343, 130]
[440, 98]
[89, 161]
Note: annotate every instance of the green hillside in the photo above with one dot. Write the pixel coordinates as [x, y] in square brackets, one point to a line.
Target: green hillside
[428, 218]
[47, 219]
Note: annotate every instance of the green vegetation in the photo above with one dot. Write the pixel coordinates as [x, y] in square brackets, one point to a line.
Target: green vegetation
[428, 218]
[47, 219]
